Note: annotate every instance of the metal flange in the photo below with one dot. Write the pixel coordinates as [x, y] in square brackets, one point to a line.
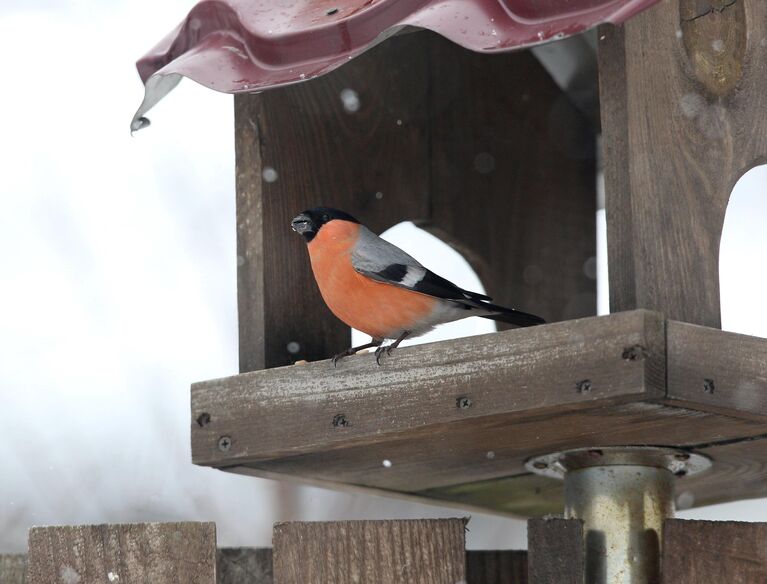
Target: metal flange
[679, 462]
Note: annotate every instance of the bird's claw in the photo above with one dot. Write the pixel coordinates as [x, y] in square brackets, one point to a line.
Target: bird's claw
[336, 358]
[379, 352]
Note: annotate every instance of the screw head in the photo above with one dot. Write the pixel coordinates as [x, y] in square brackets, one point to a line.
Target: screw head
[340, 421]
[203, 419]
[463, 403]
[583, 386]
[224, 443]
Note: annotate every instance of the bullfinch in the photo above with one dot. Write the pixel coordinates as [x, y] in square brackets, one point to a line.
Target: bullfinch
[375, 287]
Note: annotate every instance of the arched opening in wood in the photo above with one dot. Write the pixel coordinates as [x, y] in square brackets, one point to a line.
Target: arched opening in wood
[742, 256]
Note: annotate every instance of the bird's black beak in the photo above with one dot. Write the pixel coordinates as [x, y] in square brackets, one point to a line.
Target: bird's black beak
[303, 225]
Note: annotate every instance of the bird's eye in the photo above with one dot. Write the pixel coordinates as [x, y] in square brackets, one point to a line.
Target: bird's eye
[325, 218]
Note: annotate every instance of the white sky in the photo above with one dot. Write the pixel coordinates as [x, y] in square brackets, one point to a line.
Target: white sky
[117, 288]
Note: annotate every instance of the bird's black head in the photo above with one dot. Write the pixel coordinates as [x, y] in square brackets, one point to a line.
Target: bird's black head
[308, 223]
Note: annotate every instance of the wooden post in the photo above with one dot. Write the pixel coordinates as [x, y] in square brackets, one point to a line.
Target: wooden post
[485, 151]
[13, 568]
[422, 551]
[683, 96]
[160, 553]
[714, 552]
[556, 551]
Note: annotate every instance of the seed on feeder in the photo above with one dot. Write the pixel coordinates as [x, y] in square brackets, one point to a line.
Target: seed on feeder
[490, 455]
[331, 11]
[387, 463]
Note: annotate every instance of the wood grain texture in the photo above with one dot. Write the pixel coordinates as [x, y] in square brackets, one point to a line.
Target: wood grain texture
[513, 180]
[710, 552]
[723, 371]
[556, 551]
[244, 566]
[739, 472]
[496, 567]
[13, 568]
[424, 551]
[305, 408]
[430, 143]
[683, 92]
[456, 453]
[323, 155]
[159, 553]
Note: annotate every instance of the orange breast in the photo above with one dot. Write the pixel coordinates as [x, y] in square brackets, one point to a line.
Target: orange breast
[377, 309]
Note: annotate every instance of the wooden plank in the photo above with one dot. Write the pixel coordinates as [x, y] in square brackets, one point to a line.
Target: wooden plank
[513, 180]
[322, 155]
[703, 552]
[456, 453]
[569, 365]
[244, 566]
[496, 567]
[719, 371]
[159, 553]
[556, 551]
[424, 551]
[739, 472]
[13, 568]
[682, 93]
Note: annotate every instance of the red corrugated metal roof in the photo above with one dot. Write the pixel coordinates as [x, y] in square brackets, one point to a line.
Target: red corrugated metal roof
[248, 45]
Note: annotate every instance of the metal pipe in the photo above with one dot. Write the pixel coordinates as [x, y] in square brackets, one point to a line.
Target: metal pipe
[622, 495]
[623, 509]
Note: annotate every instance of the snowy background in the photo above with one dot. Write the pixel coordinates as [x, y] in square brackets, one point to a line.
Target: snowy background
[117, 288]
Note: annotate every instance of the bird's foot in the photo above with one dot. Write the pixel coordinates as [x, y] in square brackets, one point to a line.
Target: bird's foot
[336, 358]
[353, 350]
[380, 351]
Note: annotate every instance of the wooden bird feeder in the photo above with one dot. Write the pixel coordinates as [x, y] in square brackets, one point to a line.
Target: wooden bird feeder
[488, 153]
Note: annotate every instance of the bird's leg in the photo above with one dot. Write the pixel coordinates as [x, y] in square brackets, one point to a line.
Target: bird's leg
[396, 343]
[352, 350]
[390, 348]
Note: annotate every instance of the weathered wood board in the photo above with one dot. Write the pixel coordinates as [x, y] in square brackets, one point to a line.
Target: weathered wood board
[572, 366]
[160, 553]
[720, 371]
[13, 568]
[455, 421]
[714, 552]
[420, 141]
[416, 551]
[557, 551]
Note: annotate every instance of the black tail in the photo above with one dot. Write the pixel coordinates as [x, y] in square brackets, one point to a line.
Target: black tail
[511, 316]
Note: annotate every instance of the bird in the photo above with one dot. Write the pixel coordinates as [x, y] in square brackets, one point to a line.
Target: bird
[375, 287]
